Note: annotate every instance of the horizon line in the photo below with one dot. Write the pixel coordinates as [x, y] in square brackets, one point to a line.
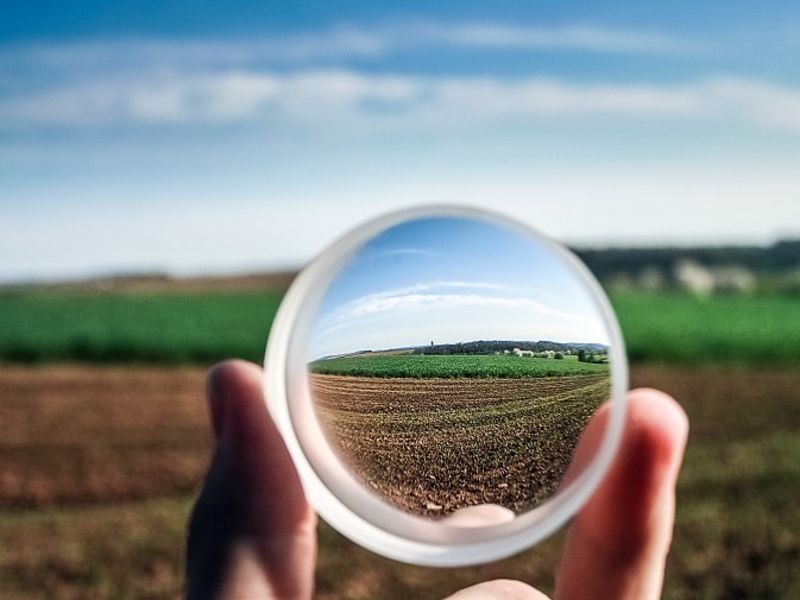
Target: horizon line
[414, 347]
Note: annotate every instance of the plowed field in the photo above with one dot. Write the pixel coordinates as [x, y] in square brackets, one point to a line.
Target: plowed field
[99, 467]
[432, 446]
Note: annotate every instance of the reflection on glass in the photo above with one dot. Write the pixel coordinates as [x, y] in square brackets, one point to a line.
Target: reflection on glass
[455, 362]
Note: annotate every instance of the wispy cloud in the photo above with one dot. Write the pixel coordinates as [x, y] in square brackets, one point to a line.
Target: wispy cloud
[439, 285]
[296, 80]
[359, 306]
[441, 296]
[369, 102]
[448, 302]
[143, 53]
[590, 38]
[294, 76]
[343, 41]
[158, 98]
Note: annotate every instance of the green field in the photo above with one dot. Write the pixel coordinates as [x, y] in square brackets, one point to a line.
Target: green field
[762, 329]
[454, 365]
[205, 327]
[158, 328]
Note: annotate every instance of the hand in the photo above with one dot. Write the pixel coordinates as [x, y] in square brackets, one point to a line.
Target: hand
[252, 534]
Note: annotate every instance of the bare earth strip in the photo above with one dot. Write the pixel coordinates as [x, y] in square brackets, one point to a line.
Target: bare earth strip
[431, 446]
[86, 434]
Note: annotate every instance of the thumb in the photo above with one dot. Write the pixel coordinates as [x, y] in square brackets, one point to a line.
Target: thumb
[251, 533]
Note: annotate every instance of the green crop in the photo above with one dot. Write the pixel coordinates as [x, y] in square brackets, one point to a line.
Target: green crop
[162, 328]
[456, 365]
[687, 329]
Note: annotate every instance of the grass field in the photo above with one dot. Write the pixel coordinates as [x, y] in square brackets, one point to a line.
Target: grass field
[156, 328]
[453, 365]
[723, 329]
[204, 327]
[436, 445]
[86, 512]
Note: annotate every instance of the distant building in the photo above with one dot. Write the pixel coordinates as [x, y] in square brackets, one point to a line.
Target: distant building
[694, 277]
[651, 278]
[734, 279]
[703, 281]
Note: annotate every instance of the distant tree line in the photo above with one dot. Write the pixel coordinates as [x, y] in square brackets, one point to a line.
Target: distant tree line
[781, 257]
[492, 346]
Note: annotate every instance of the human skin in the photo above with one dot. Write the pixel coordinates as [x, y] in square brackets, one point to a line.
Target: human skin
[253, 535]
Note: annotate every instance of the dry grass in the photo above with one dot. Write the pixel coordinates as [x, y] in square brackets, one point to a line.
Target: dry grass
[99, 464]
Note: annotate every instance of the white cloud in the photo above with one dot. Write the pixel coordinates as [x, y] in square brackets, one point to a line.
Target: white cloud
[424, 297]
[336, 43]
[401, 252]
[384, 321]
[590, 38]
[289, 79]
[433, 285]
[766, 103]
[447, 302]
[158, 98]
[363, 102]
[328, 96]
[340, 42]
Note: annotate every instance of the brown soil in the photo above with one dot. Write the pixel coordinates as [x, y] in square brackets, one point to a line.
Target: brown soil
[86, 434]
[91, 434]
[737, 533]
[431, 446]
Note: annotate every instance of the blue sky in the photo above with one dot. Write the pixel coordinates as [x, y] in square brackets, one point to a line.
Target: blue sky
[214, 137]
[451, 279]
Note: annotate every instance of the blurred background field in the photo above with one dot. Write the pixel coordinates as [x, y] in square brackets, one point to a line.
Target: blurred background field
[672, 308]
[99, 462]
